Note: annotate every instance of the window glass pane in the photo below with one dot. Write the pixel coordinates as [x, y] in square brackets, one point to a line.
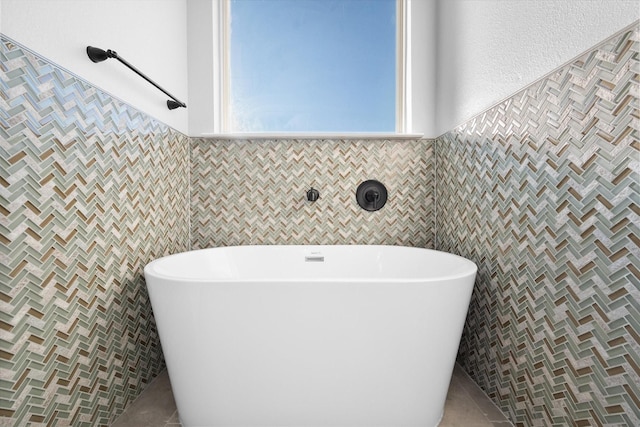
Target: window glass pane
[313, 65]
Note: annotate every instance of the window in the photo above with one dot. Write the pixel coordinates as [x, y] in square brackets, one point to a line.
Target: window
[312, 66]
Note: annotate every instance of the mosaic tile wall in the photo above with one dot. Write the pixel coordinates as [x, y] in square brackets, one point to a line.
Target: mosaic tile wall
[91, 191]
[543, 193]
[254, 192]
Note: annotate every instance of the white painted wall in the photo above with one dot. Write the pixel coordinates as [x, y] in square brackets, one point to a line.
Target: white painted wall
[150, 34]
[467, 55]
[490, 49]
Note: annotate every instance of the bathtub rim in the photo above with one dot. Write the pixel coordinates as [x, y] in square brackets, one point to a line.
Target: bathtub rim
[470, 270]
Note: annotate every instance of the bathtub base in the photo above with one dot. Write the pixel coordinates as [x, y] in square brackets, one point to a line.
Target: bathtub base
[295, 354]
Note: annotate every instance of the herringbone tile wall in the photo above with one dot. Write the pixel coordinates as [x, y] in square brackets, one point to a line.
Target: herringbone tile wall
[91, 191]
[254, 192]
[543, 193]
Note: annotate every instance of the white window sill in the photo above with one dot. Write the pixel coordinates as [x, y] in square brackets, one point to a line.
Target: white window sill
[310, 135]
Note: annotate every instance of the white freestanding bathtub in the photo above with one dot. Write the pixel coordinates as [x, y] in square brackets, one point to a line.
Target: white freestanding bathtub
[310, 335]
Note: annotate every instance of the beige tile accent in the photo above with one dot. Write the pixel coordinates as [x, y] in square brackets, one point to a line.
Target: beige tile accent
[254, 192]
[542, 193]
[91, 191]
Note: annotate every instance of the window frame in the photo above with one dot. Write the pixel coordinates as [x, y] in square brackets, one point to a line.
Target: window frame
[403, 80]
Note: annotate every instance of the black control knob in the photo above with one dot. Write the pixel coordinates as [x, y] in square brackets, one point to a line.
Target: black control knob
[371, 195]
[313, 195]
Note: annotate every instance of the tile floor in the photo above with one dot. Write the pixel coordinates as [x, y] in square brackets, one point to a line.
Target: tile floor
[466, 406]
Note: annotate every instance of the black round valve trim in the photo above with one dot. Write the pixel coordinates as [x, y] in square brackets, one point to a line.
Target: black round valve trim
[371, 195]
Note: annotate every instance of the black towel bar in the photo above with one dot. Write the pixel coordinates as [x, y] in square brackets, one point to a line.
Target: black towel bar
[99, 55]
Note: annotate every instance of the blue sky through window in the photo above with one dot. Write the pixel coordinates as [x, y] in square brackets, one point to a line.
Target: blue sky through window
[313, 65]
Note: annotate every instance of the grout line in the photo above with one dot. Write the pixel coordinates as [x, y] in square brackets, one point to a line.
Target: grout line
[474, 384]
[172, 424]
[130, 405]
[189, 193]
[435, 193]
